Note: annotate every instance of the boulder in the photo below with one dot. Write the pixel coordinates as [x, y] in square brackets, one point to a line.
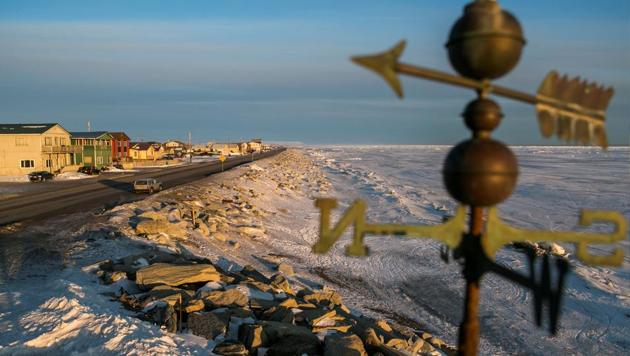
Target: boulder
[111, 277]
[220, 236]
[151, 227]
[337, 344]
[295, 345]
[286, 269]
[206, 324]
[251, 231]
[176, 275]
[228, 298]
[164, 315]
[230, 348]
[278, 281]
[170, 294]
[251, 335]
[194, 305]
[322, 297]
[154, 215]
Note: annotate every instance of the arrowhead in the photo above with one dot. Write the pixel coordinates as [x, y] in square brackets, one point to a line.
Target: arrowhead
[384, 64]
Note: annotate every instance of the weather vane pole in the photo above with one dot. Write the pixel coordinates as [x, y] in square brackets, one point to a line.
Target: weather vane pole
[485, 44]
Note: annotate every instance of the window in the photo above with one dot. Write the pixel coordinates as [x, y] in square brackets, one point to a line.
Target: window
[56, 141]
[48, 141]
[48, 163]
[99, 160]
[27, 163]
[20, 141]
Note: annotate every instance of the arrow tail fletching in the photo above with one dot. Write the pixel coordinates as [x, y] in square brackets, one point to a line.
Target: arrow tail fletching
[384, 64]
[573, 109]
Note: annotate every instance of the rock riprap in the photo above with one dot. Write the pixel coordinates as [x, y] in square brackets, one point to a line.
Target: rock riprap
[248, 313]
[175, 275]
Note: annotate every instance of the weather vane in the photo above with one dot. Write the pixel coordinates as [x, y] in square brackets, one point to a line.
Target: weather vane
[485, 44]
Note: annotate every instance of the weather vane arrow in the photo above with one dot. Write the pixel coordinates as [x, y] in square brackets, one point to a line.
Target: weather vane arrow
[574, 109]
[484, 44]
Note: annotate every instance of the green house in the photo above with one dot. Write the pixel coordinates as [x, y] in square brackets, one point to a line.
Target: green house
[96, 148]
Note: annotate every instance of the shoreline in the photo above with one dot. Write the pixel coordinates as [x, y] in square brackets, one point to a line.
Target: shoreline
[245, 218]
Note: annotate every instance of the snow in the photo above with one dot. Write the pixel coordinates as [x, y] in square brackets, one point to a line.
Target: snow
[73, 176]
[14, 179]
[51, 302]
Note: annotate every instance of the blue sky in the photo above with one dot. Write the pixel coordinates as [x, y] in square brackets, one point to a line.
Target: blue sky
[232, 69]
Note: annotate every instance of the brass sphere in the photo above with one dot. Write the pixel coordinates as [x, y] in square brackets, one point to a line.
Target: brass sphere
[480, 172]
[482, 116]
[486, 42]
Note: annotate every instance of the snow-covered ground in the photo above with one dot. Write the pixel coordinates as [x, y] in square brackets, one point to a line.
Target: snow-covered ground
[50, 303]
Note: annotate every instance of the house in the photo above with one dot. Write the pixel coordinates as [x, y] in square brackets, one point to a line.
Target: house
[120, 146]
[174, 147]
[226, 149]
[25, 148]
[254, 145]
[95, 148]
[146, 150]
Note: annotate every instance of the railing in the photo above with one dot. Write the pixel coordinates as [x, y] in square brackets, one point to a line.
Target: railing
[61, 149]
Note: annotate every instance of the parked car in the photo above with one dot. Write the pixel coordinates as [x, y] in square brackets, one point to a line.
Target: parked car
[89, 170]
[40, 176]
[167, 156]
[148, 185]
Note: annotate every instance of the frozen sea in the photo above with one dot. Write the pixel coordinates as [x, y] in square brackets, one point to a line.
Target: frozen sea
[403, 184]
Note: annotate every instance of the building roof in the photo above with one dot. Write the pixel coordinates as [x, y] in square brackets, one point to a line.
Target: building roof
[119, 136]
[91, 134]
[143, 146]
[25, 128]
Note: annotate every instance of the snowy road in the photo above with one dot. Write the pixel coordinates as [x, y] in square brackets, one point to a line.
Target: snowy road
[65, 197]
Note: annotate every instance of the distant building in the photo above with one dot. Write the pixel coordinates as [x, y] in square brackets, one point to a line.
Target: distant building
[25, 148]
[120, 146]
[254, 145]
[226, 149]
[174, 147]
[95, 148]
[146, 150]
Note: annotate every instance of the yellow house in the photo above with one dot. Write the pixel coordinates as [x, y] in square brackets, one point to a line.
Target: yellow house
[226, 149]
[146, 150]
[26, 148]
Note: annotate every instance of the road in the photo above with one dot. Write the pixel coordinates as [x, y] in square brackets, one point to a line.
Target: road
[106, 191]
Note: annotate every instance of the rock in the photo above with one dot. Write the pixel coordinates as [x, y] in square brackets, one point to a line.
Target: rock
[228, 298]
[251, 272]
[203, 228]
[279, 314]
[375, 344]
[175, 275]
[251, 336]
[153, 215]
[164, 315]
[350, 345]
[262, 304]
[289, 303]
[230, 348]
[383, 325]
[150, 227]
[234, 244]
[170, 295]
[275, 331]
[295, 345]
[111, 277]
[207, 325]
[220, 236]
[251, 231]
[278, 281]
[194, 305]
[286, 269]
[322, 297]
